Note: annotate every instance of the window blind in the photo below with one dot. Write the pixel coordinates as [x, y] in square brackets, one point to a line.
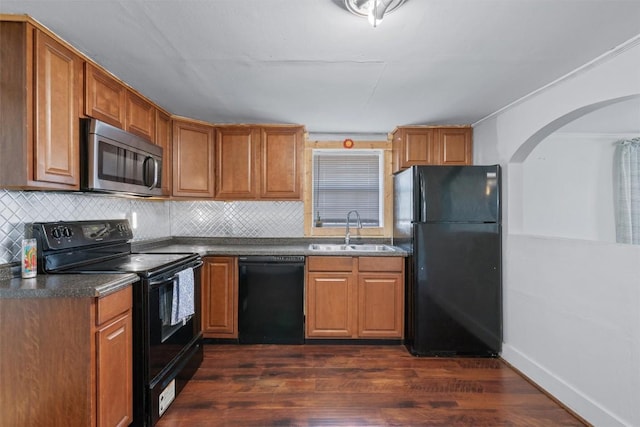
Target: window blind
[345, 181]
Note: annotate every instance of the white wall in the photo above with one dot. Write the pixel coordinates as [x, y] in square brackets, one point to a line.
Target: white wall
[568, 187]
[571, 306]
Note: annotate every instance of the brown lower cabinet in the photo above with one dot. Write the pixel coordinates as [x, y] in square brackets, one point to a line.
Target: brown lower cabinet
[69, 361]
[355, 297]
[220, 297]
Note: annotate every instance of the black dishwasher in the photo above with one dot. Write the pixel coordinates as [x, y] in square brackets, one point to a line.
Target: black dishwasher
[271, 300]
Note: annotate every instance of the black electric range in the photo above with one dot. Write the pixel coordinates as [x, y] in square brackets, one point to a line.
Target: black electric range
[166, 350]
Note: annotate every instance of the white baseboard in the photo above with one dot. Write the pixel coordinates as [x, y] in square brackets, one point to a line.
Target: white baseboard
[565, 393]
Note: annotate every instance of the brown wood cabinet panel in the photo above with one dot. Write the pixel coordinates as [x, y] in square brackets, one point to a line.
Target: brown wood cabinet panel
[76, 375]
[114, 359]
[114, 380]
[112, 305]
[39, 110]
[330, 305]
[377, 263]
[237, 162]
[57, 132]
[105, 97]
[413, 146]
[380, 305]
[281, 163]
[163, 139]
[220, 297]
[431, 145]
[193, 160]
[355, 297]
[454, 146]
[330, 263]
[259, 162]
[141, 116]
[418, 147]
[45, 368]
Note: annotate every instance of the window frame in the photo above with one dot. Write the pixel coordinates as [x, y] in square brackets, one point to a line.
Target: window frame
[346, 153]
[385, 230]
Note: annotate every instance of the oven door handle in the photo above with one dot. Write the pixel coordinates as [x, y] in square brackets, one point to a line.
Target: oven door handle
[173, 278]
[164, 281]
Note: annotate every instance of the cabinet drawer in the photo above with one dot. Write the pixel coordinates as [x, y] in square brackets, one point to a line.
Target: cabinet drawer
[376, 263]
[113, 304]
[330, 263]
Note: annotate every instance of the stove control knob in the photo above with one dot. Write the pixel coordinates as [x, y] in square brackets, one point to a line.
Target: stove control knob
[56, 233]
[66, 232]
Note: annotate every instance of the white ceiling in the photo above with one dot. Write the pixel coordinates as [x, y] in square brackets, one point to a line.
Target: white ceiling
[312, 62]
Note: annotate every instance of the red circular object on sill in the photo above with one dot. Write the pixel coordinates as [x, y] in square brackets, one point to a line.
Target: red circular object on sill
[348, 143]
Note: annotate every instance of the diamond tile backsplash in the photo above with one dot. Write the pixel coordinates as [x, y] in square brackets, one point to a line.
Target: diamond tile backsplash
[237, 219]
[155, 219]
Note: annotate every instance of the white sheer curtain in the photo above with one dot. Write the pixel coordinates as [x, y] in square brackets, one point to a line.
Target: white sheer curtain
[627, 164]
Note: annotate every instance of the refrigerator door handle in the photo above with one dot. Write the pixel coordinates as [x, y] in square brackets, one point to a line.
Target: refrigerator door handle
[422, 206]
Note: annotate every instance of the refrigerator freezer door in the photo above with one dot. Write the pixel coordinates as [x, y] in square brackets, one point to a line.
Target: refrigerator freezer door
[456, 300]
[457, 194]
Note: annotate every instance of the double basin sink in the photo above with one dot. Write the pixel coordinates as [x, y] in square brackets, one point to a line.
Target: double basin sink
[336, 247]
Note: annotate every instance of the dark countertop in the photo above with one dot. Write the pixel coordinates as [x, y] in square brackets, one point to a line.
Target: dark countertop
[257, 246]
[65, 285]
[99, 285]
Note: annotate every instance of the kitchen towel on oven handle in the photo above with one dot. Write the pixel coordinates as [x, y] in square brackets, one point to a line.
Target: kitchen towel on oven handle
[183, 307]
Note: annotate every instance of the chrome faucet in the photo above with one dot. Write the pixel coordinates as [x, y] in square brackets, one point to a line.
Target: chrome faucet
[347, 234]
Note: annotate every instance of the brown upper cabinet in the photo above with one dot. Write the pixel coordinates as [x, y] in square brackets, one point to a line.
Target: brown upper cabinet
[431, 145]
[108, 100]
[193, 159]
[141, 117]
[39, 113]
[259, 162]
[281, 160]
[237, 162]
[105, 97]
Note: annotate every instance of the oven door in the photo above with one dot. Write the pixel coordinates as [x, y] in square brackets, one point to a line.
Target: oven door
[166, 341]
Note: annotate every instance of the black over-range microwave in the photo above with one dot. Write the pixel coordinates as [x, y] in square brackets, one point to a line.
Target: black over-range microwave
[116, 161]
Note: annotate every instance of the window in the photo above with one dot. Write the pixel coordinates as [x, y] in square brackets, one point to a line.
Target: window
[345, 181]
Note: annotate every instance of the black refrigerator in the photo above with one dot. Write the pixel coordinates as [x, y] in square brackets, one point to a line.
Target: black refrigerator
[448, 219]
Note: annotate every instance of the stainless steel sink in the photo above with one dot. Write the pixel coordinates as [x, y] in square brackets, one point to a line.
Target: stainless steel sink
[336, 247]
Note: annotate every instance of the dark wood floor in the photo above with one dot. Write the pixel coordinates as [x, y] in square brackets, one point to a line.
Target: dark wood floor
[353, 385]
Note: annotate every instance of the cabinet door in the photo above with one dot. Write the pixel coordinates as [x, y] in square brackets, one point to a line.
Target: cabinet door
[192, 160]
[380, 305]
[380, 297]
[57, 152]
[414, 146]
[330, 305]
[220, 297]
[454, 146]
[105, 97]
[114, 373]
[141, 116]
[163, 139]
[281, 163]
[236, 162]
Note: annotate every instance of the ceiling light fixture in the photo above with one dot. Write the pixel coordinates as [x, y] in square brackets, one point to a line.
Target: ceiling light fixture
[375, 10]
